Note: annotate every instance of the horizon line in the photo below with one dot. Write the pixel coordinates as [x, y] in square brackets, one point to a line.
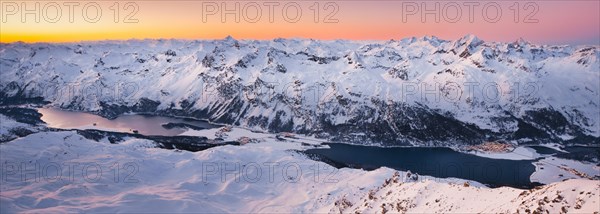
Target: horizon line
[297, 38]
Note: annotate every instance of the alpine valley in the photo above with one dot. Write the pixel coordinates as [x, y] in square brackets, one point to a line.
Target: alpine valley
[419, 125]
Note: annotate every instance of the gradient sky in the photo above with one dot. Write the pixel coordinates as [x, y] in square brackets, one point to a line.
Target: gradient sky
[558, 22]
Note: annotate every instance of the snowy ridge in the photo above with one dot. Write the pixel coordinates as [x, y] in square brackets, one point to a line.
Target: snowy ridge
[418, 91]
[427, 196]
[63, 175]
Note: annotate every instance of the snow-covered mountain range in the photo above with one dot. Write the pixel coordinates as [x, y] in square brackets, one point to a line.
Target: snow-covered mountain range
[415, 91]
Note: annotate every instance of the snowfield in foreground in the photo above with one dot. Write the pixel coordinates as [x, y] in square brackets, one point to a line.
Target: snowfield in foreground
[65, 172]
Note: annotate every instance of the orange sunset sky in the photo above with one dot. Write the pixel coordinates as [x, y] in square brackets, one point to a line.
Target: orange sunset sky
[547, 22]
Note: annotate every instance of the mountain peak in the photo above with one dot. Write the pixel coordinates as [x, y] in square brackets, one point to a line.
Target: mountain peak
[229, 38]
[433, 40]
[470, 39]
[467, 42]
[520, 42]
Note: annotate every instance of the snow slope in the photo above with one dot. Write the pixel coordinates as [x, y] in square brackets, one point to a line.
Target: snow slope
[415, 91]
[572, 196]
[65, 172]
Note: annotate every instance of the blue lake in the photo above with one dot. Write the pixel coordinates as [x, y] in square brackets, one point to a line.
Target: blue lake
[436, 162]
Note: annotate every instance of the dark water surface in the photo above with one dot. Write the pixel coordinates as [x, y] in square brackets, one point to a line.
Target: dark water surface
[436, 162]
[544, 150]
